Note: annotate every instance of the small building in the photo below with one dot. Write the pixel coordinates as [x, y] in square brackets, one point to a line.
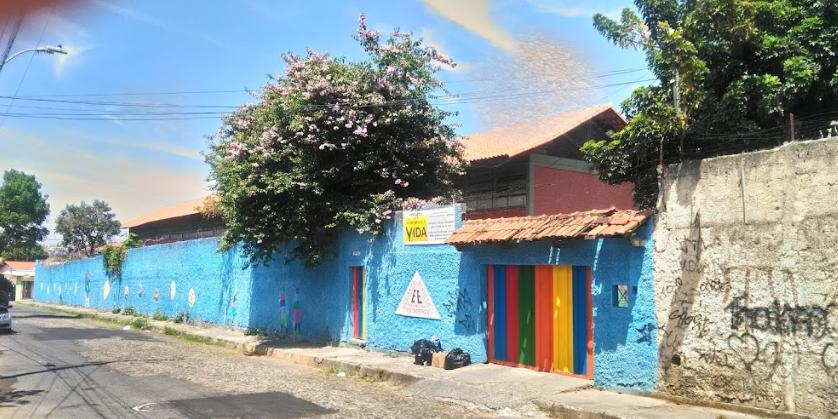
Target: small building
[178, 222]
[536, 168]
[19, 279]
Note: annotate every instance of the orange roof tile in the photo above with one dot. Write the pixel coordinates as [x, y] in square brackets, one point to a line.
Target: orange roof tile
[518, 139]
[19, 265]
[172, 211]
[589, 224]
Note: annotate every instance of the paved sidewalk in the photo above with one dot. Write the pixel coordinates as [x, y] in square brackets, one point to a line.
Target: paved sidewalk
[507, 391]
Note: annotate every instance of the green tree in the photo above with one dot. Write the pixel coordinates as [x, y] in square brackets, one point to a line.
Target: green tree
[735, 66]
[333, 145]
[23, 210]
[85, 228]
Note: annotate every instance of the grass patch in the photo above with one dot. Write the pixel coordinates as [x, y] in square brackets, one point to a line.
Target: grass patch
[170, 331]
[181, 317]
[159, 315]
[129, 311]
[140, 323]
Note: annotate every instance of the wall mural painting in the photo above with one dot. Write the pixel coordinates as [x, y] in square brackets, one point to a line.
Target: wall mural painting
[126, 292]
[297, 311]
[192, 297]
[156, 295]
[140, 291]
[234, 304]
[283, 313]
[172, 290]
[106, 289]
[87, 289]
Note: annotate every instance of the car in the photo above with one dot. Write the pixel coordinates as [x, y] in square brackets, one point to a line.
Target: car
[5, 319]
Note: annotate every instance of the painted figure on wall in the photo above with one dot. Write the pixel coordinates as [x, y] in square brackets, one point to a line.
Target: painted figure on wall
[126, 292]
[234, 304]
[172, 290]
[140, 291]
[297, 311]
[192, 297]
[283, 313]
[156, 295]
[87, 289]
[106, 289]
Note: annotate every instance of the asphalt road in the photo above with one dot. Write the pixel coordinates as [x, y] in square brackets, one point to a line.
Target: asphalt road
[54, 365]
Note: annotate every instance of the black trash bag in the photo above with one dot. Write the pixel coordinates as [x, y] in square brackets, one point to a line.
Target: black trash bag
[423, 351]
[457, 359]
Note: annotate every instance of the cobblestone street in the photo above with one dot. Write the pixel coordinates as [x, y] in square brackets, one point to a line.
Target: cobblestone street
[127, 362]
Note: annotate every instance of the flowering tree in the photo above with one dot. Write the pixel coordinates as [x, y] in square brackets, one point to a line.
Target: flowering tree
[333, 145]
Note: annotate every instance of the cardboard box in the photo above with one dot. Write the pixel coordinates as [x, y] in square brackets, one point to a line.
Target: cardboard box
[439, 359]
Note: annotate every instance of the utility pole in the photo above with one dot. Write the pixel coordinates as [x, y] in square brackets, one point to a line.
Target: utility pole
[4, 57]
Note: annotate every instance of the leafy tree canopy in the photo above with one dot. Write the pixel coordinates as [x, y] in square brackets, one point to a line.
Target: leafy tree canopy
[332, 145]
[736, 66]
[23, 210]
[84, 228]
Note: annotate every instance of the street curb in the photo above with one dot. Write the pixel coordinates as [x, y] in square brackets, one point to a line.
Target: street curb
[261, 347]
[357, 370]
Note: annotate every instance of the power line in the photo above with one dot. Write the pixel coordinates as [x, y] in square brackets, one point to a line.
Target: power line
[441, 100]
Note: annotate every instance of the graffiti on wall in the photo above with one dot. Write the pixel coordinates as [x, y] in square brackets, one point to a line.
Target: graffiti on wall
[780, 319]
[459, 303]
[739, 333]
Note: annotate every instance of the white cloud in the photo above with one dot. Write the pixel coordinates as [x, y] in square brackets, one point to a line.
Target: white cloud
[432, 38]
[73, 168]
[475, 16]
[138, 16]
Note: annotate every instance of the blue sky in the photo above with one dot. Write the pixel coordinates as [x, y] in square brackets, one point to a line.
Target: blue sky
[518, 59]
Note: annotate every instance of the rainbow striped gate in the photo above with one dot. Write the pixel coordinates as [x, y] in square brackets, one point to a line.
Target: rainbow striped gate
[359, 326]
[540, 318]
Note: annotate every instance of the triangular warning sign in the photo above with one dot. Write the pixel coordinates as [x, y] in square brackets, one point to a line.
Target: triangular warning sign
[416, 301]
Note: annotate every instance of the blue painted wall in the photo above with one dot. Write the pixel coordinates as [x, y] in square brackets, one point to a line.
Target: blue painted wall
[625, 338]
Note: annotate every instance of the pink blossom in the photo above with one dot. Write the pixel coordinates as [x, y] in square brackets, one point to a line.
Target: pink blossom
[360, 131]
[235, 148]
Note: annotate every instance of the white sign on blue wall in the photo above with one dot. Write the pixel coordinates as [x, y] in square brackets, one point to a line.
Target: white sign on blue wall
[428, 226]
[416, 301]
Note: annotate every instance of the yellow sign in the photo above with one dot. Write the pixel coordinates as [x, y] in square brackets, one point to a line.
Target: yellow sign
[416, 229]
[428, 226]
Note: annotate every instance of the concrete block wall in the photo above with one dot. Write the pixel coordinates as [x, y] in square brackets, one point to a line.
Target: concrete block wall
[745, 276]
[229, 292]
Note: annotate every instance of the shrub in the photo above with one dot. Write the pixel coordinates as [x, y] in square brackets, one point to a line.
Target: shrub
[182, 317]
[129, 311]
[116, 310]
[140, 323]
[159, 315]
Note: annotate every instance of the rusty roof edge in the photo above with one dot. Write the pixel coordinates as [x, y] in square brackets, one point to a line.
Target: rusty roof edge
[537, 233]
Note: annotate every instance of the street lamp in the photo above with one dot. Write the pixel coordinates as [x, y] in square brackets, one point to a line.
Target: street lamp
[58, 49]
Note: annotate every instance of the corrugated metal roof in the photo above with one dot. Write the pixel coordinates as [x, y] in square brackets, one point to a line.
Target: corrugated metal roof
[520, 138]
[589, 224]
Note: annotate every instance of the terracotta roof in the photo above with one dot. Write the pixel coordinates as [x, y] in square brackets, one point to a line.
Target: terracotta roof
[589, 224]
[518, 139]
[172, 211]
[18, 265]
